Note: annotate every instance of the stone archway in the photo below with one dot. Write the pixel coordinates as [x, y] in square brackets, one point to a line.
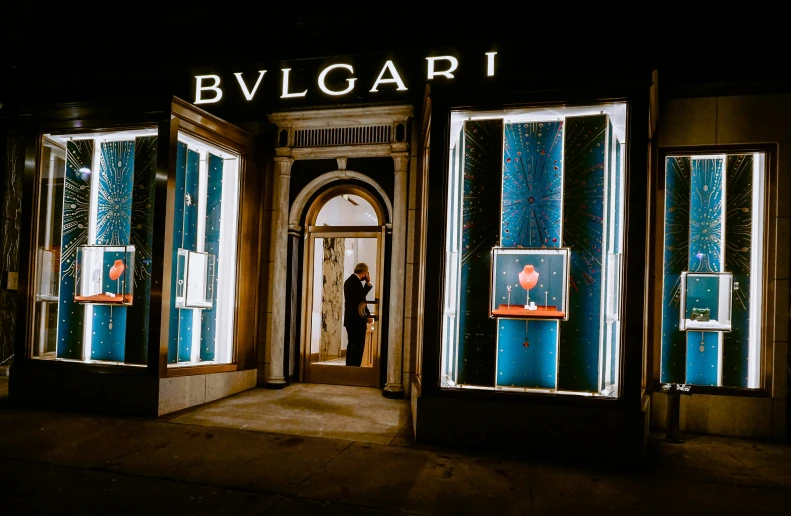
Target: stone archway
[337, 134]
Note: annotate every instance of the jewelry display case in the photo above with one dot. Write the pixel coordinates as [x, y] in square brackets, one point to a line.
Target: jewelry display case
[195, 280]
[102, 275]
[706, 300]
[712, 269]
[516, 273]
[533, 303]
[101, 240]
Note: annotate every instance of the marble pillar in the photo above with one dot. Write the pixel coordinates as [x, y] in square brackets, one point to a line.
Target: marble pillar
[395, 338]
[275, 342]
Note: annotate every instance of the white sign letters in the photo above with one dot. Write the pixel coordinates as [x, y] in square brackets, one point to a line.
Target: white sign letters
[208, 87]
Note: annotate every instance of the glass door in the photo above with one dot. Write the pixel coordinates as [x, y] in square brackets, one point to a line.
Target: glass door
[341, 333]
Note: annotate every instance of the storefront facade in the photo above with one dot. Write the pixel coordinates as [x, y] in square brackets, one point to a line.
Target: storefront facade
[519, 298]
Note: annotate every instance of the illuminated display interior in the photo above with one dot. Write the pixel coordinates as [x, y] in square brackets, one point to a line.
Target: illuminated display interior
[543, 186]
[94, 245]
[205, 230]
[711, 292]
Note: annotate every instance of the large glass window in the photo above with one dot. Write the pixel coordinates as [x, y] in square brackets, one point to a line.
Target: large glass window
[203, 280]
[93, 247]
[534, 240]
[711, 291]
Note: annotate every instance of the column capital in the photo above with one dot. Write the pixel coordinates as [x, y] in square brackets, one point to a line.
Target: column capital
[400, 161]
[284, 165]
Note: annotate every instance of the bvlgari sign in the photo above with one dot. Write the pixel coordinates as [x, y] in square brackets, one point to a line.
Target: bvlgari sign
[209, 89]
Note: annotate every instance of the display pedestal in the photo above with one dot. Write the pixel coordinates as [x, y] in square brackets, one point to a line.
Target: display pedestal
[541, 312]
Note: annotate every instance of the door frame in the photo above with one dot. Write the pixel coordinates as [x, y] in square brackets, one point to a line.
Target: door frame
[339, 375]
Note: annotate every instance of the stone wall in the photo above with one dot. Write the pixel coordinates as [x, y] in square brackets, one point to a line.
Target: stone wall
[12, 153]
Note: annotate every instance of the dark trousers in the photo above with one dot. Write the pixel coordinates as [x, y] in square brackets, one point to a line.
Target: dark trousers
[354, 351]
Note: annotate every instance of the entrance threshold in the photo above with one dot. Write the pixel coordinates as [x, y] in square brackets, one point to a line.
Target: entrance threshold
[311, 410]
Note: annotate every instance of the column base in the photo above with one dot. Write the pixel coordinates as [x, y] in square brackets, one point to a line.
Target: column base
[277, 382]
[393, 391]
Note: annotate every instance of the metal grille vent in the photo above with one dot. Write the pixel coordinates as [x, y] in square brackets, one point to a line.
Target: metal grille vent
[343, 136]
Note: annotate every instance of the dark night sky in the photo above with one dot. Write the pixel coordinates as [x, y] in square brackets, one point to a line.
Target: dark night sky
[49, 43]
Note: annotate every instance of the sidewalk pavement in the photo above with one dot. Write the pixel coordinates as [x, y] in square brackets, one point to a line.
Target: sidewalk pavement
[65, 463]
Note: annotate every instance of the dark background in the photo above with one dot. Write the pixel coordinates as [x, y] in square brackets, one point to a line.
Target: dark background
[73, 51]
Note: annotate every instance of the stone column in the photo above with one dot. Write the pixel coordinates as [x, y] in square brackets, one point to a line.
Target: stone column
[394, 387]
[276, 337]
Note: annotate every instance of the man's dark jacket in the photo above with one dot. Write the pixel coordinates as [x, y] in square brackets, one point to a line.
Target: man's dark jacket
[353, 294]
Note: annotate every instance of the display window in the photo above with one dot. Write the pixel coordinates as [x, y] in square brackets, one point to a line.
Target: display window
[533, 250]
[205, 218]
[95, 231]
[93, 246]
[712, 269]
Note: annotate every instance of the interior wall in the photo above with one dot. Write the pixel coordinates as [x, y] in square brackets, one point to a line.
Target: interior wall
[728, 120]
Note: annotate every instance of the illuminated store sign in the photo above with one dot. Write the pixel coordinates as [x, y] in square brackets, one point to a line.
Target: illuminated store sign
[209, 88]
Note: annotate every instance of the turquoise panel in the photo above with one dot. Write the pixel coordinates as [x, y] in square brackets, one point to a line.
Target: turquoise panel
[531, 217]
[705, 221]
[76, 218]
[113, 224]
[142, 237]
[676, 258]
[705, 250]
[483, 148]
[583, 213]
[178, 221]
[738, 241]
[532, 184]
[702, 365]
[527, 353]
[208, 340]
[189, 240]
[703, 292]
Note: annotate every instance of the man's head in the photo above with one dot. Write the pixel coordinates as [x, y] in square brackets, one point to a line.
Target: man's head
[361, 270]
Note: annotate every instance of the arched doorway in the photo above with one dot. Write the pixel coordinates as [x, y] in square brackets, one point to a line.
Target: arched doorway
[345, 226]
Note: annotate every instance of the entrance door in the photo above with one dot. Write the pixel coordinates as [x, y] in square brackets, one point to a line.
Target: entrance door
[331, 254]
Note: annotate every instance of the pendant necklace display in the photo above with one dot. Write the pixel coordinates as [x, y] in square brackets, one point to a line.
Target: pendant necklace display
[115, 274]
[528, 278]
[509, 296]
[702, 344]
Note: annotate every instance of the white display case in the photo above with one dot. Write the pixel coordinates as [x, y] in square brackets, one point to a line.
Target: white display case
[706, 301]
[195, 279]
[104, 275]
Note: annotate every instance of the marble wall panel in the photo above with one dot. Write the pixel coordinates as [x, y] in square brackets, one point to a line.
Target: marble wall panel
[11, 169]
[332, 299]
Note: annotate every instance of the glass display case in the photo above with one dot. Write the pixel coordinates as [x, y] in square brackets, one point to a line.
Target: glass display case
[712, 269]
[518, 272]
[96, 207]
[102, 275]
[204, 253]
[96, 278]
[534, 236]
[705, 301]
[195, 280]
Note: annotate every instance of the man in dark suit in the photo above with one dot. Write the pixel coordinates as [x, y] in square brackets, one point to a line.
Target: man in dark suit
[353, 294]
